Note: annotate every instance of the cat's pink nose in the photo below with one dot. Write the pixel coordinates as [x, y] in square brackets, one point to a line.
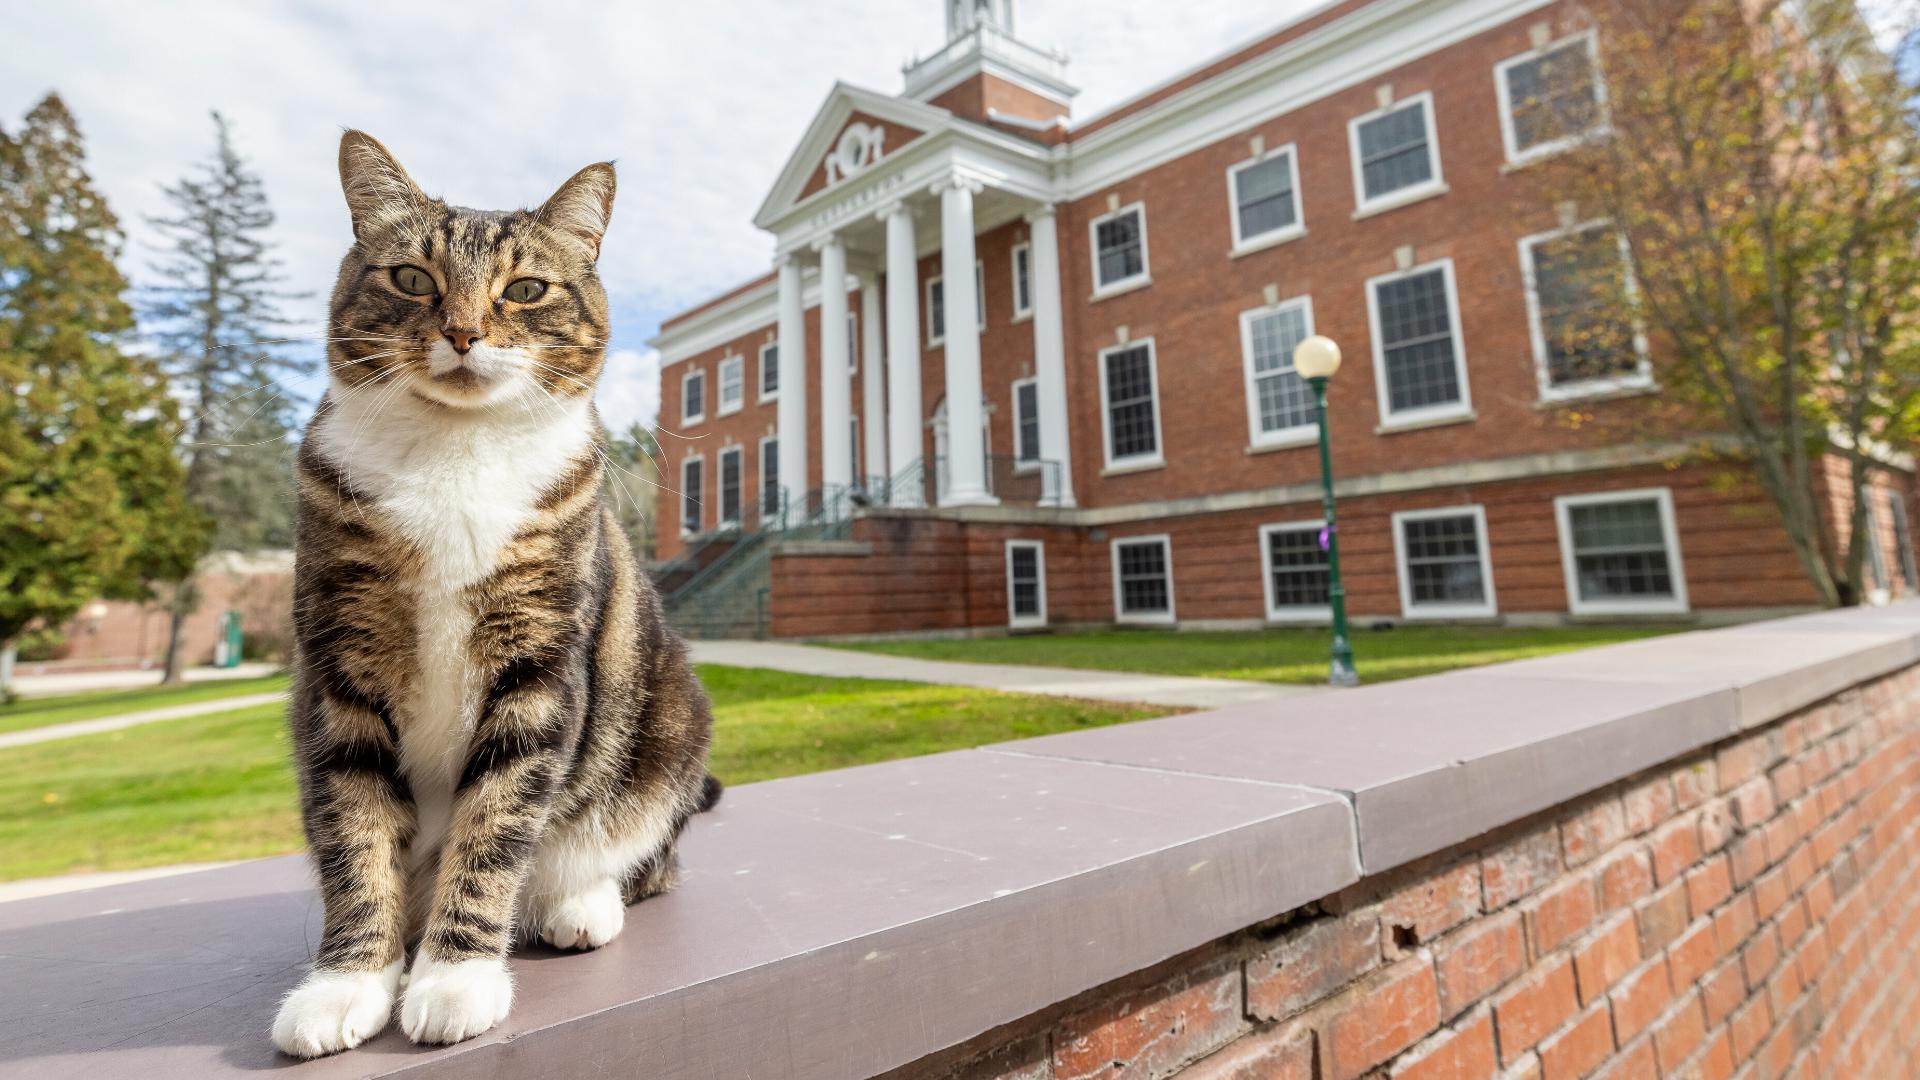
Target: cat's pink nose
[462, 339]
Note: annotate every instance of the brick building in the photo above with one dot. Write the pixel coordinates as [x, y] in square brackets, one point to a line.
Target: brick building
[1117, 435]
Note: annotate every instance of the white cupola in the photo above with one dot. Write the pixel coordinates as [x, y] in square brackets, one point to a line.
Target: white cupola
[985, 72]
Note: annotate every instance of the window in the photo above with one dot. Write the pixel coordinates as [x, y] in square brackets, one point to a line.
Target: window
[769, 371]
[1903, 540]
[1026, 583]
[1022, 281]
[692, 477]
[1131, 406]
[853, 450]
[1444, 568]
[1264, 195]
[1419, 364]
[1143, 580]
[1550, 98]
[693, 397]
[733, 384]
[1026, 422]
[937, 304]
[1620, 553]
[1293, 558]
[1581, 342]
[1396, 156]
[770, 499]
[853, 342]
[1280, 405]
[1876, 557]
[730, 481]
[1119, 249]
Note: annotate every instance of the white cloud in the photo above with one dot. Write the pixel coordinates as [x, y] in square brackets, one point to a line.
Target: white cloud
[494, 104]
[629, 390]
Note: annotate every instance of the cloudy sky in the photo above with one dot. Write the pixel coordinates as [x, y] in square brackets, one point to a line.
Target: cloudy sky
[494, 104]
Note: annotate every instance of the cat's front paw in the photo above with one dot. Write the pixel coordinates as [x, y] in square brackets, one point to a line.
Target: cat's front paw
[586, 920]
[448, 1002]
[335, 1010]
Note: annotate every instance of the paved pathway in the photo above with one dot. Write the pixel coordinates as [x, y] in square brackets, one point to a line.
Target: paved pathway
[1175, 690]
[127, 720]
[26, 684]
[48, 886]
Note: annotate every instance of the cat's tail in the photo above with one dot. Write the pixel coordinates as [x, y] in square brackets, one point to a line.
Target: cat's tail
[710, 791]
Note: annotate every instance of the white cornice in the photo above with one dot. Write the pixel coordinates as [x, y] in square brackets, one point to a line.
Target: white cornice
[842, 102]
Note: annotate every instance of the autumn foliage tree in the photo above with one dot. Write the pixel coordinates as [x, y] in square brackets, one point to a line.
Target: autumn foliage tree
[1759, 165]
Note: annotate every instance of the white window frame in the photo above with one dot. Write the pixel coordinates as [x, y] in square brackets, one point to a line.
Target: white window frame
[1300, 435]
[760, 388]
[1434, 185]
[698, 493]
[1021, 622]
[1429, 414]
[979, 303]
[1243, 244]
[1101, 289]
[1021, 465]
[738, 364]
[1902, 538]
[720, 487]
[1013, 265]
[686, 380]
[1639, 379]
[1881, 575]
[760, 476]
[1156, 618]
[1410, 610]
[1676, 604]
[1509, 139]
[1133, 461]
[1309, 616]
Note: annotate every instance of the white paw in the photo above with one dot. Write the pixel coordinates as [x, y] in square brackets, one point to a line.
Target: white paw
[449, 1002]
[333, 1011]
[586, 920]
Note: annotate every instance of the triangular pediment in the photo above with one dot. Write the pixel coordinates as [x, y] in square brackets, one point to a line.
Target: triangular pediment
[852, 131]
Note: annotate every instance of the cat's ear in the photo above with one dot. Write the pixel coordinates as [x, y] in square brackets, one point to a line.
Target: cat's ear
[582, 205]
[376, 186]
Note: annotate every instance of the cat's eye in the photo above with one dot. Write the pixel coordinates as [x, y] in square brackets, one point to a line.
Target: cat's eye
[414, 281]
[526, 290]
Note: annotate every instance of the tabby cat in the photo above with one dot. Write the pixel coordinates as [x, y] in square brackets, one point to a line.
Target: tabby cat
[495, 731]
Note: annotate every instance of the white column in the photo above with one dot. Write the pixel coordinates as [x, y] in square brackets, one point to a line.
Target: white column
[903, 349]
[966, 465]
[1049, 349]
[792, 413]
[873, 380]
[836, 449]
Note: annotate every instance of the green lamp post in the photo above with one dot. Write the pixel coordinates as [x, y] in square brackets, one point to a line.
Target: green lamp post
[1316, 359]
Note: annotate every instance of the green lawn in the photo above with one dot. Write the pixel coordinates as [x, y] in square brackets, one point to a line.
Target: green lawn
[1282, 656]
[220, 786]
[39, 712]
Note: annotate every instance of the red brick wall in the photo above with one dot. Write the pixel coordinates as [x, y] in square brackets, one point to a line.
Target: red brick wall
[133, 633]
[1746, 912]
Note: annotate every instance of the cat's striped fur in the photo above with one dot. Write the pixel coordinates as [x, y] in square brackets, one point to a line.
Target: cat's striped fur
[496, 733]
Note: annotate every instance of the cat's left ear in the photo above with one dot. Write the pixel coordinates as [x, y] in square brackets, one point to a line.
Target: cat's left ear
[583, 205]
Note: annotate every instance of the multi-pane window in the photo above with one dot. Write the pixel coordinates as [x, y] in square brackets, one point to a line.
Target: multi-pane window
[1022, 281]
[693, 397]
[769, 371]
[1143, 580]
[1619, 552]
[693, 474]
[730, 480]
[1417, 344]
[1394, 151]
[1576, 281]
[1280, 403]
[769, 478]
[1026, 421]
[1026, 583]
[733, 384]
[853, 448]
[937, 304]
[1265, 202]
[1133, 417]
[1549, 98]
[1294, 557]
[1903, 540]
[853, 342]
[1444, 569]
[1876, 557]
[1119, 248]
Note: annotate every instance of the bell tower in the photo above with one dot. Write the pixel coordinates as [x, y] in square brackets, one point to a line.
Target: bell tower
[985, 72]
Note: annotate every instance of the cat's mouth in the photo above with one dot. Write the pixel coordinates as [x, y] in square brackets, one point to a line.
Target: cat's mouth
[472, 378]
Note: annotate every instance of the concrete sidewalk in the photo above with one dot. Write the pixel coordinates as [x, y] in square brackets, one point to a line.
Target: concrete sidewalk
[27, 888]
[28, 685]
[127, 720]
[1174, 690]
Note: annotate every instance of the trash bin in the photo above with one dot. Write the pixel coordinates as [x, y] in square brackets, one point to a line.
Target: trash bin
[226, 651]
